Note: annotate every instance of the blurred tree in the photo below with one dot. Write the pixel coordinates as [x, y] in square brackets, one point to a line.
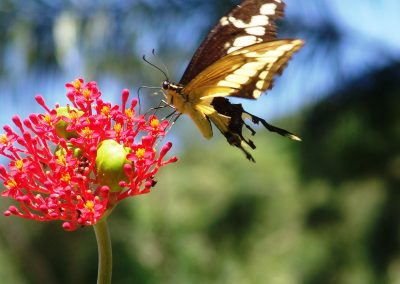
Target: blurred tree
[354, 137]
[323, 211]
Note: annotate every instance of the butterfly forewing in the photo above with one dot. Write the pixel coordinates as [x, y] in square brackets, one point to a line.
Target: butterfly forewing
[244, 73]
[253, 21]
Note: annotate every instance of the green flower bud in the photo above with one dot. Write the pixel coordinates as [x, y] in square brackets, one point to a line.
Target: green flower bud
[77, 152]
[61, 126]
[61, 151]
[110, 160]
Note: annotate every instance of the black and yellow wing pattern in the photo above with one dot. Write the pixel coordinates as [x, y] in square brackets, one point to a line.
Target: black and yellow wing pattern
[239, 58]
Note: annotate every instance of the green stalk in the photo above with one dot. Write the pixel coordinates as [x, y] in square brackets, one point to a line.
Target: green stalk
[105, 252]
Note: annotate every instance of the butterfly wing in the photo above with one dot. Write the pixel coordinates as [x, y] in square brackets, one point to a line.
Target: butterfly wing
[245, 73]
[253, 21]
[239, 57]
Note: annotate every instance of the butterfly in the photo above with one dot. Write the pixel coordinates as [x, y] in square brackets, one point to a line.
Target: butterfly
[239, 58]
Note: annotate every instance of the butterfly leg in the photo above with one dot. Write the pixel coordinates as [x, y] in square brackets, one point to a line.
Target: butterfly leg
[163, 104]
[171, 114]
[172, 118]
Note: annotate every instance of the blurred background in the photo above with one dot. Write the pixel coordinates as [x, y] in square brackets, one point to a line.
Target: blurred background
[325, 210]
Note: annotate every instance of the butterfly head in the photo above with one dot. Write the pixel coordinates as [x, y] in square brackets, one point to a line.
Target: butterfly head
[174, 95]
[165, 85]
[168, 86]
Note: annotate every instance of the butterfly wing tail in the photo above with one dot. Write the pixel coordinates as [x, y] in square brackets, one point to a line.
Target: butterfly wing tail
[272, 128]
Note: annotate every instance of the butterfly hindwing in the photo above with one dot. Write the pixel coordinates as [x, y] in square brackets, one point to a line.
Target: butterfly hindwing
[233, 129]
[253, 21]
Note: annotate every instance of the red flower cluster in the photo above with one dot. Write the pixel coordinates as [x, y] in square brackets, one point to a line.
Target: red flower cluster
[76, 162]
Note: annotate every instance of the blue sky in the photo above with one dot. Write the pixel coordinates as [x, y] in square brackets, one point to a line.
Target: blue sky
[379, 20]
[371, 38]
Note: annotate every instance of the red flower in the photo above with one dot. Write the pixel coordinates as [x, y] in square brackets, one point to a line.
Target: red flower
[76, 162]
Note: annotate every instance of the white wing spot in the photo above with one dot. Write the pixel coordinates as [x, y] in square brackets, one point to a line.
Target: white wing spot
[256, 93]
[263, 75]
[228, 84]
[245, 71]
[255, 21]
[274, 53]
[255, 31]
[268, 60]
[224, 21]
[239, 79]
[285, 47]
[245, 41]
[268, 9]
[253, 66]
[232, 49]
[260, 84]
[227, 45]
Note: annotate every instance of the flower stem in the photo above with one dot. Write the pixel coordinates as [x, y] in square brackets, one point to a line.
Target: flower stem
[105, 252]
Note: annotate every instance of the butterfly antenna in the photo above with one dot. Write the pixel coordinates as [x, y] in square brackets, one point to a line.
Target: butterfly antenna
[155, 66]
[160, 60]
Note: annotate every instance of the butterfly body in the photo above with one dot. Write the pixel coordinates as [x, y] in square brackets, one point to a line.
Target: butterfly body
[239, 58]
[190, 105]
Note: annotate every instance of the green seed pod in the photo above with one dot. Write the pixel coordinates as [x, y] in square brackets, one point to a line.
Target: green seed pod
[61, 126]
[110, 160]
